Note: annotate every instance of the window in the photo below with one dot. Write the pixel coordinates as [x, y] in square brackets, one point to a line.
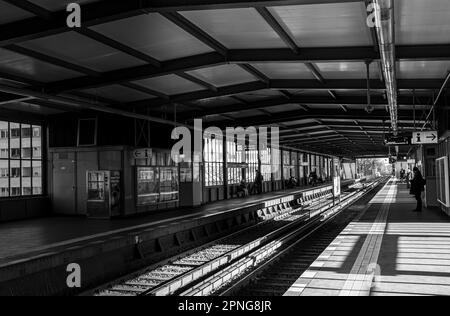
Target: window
[96, 186]
[26, 132]
[15, 153]
[286, 165]
[213, 153]
[15, 132]
[4, 134]
[235, 163]
[4, 153]
[4, 192]
[266, 168]
[20, 159]
[15, 172]
[252, 161]
[276, 164]
[15, 191]
[36, 132]
[157, 185]
[4, 173]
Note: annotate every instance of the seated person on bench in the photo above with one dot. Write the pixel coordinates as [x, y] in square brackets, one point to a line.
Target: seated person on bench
[292, 183]
[242, 189]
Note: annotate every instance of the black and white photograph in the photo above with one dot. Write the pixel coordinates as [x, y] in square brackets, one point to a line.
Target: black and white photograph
[228, 155]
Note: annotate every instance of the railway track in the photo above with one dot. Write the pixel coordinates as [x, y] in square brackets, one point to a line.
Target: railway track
[179, 274]
[234, 276]
[276, 276]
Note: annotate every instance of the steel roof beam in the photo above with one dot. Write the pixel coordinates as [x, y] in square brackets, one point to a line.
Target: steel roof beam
[49, 16]
[379, 115]
[342, 84]
[195, 31]
[112, 10]
[118, 46]
[236, 56]
[403, 101]
[278, 28]
[256, 73]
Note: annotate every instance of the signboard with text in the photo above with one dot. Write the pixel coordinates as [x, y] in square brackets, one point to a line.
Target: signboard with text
[392, 140]
[144, 153]
[421, 138]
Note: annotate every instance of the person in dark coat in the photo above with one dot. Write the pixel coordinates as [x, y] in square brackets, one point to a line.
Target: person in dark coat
[417, 187]
[258, 184]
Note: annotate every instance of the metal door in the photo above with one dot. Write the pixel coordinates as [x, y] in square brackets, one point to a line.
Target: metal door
[64, 184]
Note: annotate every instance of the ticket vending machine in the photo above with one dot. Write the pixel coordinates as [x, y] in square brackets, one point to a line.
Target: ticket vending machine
[104, 194]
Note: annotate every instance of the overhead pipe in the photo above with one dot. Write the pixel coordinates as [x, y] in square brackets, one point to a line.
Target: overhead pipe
[386, 40]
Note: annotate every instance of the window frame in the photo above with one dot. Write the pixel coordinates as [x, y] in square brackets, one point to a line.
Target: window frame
[30, 162]
[213, 162]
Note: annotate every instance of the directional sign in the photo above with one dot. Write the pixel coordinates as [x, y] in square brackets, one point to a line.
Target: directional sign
[420, 138]
[391, 140]
[143, 153]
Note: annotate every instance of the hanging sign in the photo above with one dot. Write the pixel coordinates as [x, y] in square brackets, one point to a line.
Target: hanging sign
[429, 137]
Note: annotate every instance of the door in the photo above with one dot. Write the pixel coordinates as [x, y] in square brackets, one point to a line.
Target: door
[64, 184]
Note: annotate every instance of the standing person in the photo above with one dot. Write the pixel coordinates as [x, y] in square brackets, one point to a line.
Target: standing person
[417, 187]
[257, 186]
[408, 179]
[402, 175]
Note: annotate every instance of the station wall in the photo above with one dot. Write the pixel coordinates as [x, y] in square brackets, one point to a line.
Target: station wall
[444, 153]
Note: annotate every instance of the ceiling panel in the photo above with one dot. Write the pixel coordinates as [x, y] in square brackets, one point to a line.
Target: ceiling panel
[83, 51]
[236, 28]
[30, 68]
[301, 122]
[422, 22]
[170, 84]
[245, 114]
[10, 13]
[347, 70]
[422, 69]
[224, 75]
[215, 102]
[258, 95]
[283, 108]
[322, 25]
[284, 70]
[29, 108]
[216, 119]
[56, 5]
[118, 93]
[154, 35]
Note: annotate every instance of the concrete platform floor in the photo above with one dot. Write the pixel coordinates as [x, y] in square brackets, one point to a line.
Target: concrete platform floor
[388, 250]
[24, 239]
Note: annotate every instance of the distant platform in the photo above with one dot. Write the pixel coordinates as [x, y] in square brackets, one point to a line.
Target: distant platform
[26, 239]
[388, 250]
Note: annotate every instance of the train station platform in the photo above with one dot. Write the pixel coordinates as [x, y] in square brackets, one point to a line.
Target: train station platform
[23, 239]
[387, 250]
[108, 248]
